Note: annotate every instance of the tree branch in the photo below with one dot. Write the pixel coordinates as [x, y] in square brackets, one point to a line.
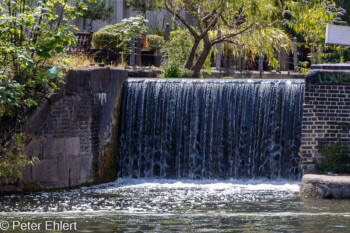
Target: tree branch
[228, 36]
[213, 22]
[190, 28]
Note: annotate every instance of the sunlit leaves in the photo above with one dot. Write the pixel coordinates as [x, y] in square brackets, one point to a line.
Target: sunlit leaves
[32, 33]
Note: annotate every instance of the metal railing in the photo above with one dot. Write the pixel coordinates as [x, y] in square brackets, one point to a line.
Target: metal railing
[83, 44]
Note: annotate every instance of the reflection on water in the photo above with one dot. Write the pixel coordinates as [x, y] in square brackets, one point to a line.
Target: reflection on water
[129, 205]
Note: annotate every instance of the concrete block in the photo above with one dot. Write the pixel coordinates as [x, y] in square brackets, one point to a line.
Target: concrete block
[53, 148]
[46, 171]
[72, 147]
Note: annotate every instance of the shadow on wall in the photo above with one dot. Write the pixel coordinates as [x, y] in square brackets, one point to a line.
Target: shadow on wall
[75, 130]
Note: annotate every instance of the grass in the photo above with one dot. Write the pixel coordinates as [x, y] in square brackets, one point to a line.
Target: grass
[81, 61]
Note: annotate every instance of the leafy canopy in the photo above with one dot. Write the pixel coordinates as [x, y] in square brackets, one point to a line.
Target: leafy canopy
[33, 38]
[309, 19]
[97, 10]
[234, 19]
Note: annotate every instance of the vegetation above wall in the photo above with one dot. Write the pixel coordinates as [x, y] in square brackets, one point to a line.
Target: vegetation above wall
[33, 38]
[116, 37]
[244, 26]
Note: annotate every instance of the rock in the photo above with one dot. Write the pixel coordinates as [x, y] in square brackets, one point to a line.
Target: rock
[325, 186]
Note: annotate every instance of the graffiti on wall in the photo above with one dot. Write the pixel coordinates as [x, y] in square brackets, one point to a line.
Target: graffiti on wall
[334, 78]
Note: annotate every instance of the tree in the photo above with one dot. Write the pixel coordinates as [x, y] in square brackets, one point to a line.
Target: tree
[309, 19]
[233, 18]
[97, 10]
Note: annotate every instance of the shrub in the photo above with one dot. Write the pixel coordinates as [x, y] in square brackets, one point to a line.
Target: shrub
[171, 70]
[13, 160]
[32, 34]
[109, 37]
[176, 52]
[154, 42]
[116, 37]
[334, 158]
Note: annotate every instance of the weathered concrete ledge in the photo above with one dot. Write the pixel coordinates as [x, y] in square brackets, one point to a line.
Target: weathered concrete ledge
[323, 186]
[73, 132]
[253, 74]
[153, 72]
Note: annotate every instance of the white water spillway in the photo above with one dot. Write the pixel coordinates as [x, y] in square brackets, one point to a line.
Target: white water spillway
[210, 129]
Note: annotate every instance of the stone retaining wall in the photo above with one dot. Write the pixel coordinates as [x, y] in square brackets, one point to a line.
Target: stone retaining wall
[74, 130]
[326, 114]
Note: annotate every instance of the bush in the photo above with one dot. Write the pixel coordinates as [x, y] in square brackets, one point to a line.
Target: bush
[334, 158]
[109, 38]
[154, 42]
[33, 38]
[116, 37]
[13, 160]
[172, 70]
[176, 51]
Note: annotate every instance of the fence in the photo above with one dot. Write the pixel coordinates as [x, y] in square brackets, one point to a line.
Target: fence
[136, 56]
[83, 44]
[286, 62]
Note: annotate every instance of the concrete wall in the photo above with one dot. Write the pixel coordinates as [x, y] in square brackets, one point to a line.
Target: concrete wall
[73, 132]
[326, 114]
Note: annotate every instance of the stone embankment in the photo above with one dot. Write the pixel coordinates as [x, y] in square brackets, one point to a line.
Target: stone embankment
[324, 186]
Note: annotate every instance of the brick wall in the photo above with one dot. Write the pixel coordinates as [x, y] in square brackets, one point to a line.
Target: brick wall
[326, 114]
[73, 131]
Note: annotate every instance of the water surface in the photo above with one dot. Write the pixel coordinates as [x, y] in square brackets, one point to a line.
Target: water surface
[137, 205]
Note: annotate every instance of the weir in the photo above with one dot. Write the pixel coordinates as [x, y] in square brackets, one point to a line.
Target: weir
[210, 129]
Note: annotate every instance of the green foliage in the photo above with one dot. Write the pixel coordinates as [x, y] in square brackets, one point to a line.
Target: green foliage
[190, 74]
[97, 10]
[109, 37]
[176, 51]
[116, 37]
[334, 158]
[273, 41]
[154, 42]
[303, 66]
[336, 54]
[142, 6]
[13, 160]
[309, 19]
[158, 28]
[171, 70]
[239, 22]
[32, 33]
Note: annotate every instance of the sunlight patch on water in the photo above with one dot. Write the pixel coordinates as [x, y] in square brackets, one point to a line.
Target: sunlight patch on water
[158, 196]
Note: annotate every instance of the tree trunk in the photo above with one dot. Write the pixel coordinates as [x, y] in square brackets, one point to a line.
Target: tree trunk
[201, 60]
[189, 62]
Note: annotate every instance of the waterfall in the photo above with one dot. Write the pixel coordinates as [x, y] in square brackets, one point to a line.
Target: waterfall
[210, 129]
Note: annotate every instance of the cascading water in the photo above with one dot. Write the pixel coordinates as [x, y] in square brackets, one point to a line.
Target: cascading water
[193, 129]
[210, 129]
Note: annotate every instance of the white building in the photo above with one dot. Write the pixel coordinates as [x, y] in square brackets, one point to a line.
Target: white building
[122, 11]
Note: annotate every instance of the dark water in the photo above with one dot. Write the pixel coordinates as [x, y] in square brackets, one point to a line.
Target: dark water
[137, 205]
[210, 129]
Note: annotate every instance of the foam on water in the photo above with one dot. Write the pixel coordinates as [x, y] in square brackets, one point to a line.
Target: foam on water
[227, 185]
[154, 196]
[150, 205]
